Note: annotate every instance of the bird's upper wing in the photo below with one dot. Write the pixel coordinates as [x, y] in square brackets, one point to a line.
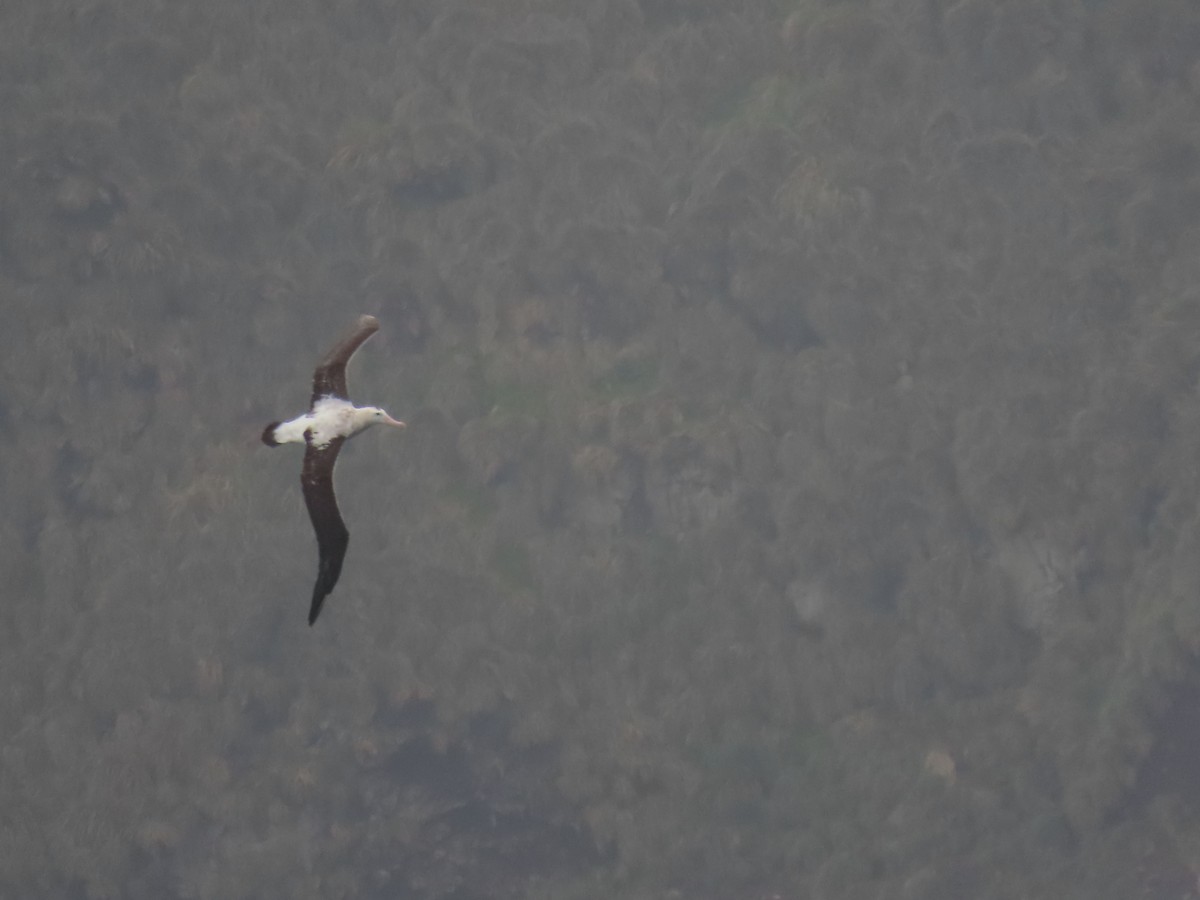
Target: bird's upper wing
[316, 478]
[329, 380]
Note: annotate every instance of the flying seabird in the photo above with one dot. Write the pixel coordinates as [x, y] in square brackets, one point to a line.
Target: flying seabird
[330, 421]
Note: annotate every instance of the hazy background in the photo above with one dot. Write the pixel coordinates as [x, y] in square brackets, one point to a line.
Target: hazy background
[799, 498]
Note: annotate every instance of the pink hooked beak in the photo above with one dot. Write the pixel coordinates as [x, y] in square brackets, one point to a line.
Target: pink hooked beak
[388, 420]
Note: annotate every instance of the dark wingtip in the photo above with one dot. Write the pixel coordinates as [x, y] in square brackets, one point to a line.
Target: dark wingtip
[315, 609]
[322, 589]
[268, 435]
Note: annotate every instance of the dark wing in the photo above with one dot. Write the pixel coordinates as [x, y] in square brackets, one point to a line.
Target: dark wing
[329, 380]
[316, 478]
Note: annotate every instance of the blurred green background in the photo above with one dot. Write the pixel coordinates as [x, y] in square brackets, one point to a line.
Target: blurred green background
[799, 498]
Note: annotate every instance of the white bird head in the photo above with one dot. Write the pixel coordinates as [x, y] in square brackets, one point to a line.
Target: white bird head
[373, 415]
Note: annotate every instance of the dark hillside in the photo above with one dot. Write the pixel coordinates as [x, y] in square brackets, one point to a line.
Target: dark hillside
[799, 493]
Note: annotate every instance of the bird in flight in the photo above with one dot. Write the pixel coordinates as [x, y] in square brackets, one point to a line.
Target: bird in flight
[330, 421]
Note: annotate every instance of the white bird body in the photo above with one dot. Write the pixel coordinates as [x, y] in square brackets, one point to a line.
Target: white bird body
[329, 418]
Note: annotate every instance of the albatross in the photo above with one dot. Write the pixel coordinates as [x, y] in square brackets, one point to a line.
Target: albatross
[330, 421]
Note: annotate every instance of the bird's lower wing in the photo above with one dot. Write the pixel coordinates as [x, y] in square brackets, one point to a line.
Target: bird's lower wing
[316, 479]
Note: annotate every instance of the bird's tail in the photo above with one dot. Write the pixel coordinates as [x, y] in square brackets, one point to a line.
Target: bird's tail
[268, 436]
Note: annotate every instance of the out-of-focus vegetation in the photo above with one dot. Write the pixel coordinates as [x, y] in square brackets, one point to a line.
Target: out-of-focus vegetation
[799, 498]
